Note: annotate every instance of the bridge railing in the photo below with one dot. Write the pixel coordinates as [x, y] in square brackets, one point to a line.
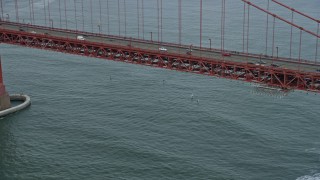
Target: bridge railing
[167, 44]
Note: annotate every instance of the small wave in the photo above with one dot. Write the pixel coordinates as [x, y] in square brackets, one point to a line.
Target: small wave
[313, 150]
[308, 177]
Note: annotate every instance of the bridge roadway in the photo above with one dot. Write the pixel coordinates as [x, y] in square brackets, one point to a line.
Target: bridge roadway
[294, 64]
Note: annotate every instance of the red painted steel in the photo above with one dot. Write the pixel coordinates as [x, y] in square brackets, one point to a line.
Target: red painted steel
[272, 76]
[282, 19]
[280, 59]
[1, 79]
[2, 87]
[292, 9]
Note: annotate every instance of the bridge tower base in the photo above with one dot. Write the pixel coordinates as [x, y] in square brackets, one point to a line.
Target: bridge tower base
[4, 96]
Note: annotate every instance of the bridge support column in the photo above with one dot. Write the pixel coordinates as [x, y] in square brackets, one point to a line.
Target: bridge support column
[4, 96]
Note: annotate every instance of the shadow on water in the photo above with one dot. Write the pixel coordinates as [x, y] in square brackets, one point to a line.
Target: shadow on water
[7, 146]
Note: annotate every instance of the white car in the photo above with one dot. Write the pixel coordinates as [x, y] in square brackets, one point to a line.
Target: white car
[80, 38]
[163, 49]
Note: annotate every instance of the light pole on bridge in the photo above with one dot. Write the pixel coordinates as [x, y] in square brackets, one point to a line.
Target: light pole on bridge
[210, 42]
[99, 26]
[8, 17]
[189, 51]
[151, 35]
[130, 42]
[51, 20]
[277, 52]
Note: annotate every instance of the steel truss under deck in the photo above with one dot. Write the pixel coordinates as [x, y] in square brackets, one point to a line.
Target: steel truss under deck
[271, 76]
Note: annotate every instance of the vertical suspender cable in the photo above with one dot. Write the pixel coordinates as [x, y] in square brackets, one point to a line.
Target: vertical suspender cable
[291, 35]
[244, 23]
[158, 20]
[274, 24]
[45, 12]
[108, 18]
[125, 18]
[65, 13]
[82, 13]
[138, 17]
[248, 28]
[119, 28]
[1, 9]
[142, 11]
[267, 28]
[17, 13]
[60, 18]
[49, 13]
[200, 24]
[91, 17]
[32, 12]
[180, 23]
[224, 23]
[161, 19]
[317, 43]
[300, 49]
[100, 17]
[75, 14]
[221, 27]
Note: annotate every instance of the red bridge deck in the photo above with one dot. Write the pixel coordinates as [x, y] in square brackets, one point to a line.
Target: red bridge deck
[277, 72]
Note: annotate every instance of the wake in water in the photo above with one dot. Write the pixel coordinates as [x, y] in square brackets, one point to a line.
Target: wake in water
[270, 91]
[312, 177]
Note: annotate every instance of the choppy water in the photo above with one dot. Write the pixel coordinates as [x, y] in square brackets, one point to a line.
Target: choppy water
[96, 119]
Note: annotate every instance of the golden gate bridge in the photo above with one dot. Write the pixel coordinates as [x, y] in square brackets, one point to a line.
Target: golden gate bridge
[284, 73]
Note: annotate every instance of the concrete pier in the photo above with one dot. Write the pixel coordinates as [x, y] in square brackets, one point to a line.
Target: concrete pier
[5, 99]
[26, 101]
[4, 96]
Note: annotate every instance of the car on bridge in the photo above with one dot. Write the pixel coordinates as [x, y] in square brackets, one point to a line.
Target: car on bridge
[226, 54]
[189, 51]
[163, 49]
[81, 38]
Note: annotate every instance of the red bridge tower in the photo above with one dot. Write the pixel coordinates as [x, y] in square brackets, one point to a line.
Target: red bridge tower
[4, 96]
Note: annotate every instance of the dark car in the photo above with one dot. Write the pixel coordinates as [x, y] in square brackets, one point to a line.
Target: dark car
[226, 54]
